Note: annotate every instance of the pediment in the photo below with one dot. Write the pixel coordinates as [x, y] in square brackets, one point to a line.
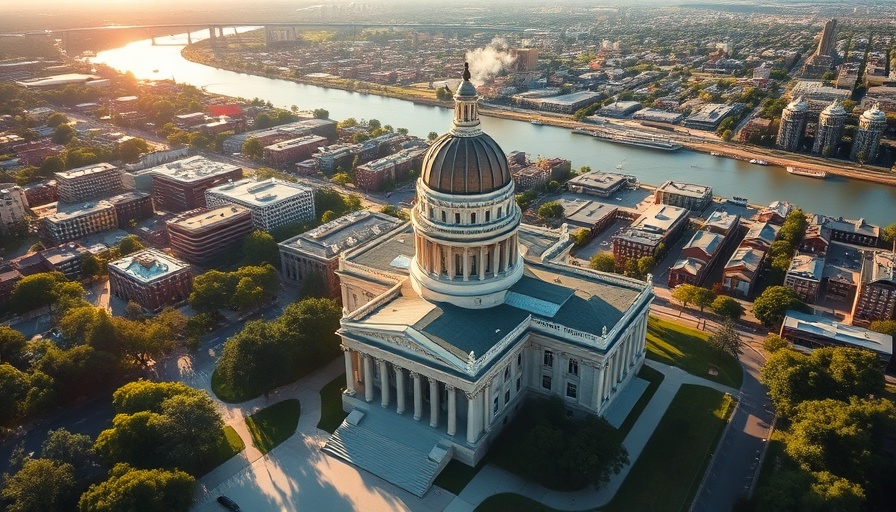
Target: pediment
[407, 341]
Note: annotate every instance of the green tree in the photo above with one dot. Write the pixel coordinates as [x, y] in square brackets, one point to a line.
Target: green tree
[685, 294]
[129, 245]
[772, 305]
[775, 343]
[55, 119]
[13, 390]
[140, 490]
[727, 307]
[131, 149]
[63, 134]
[881, 326]
[41, 485]
[44, 289]
[394, 211]
[260, 248]
[12, 347]
[604, 262]
[321, 113]
[581, 237]
[247, 294]
[252, 148]
[888, 235]
[646, 265]
[431, 136]
[91, 266]
[64, 447]
[551, 210]
[726, 339]
[51, 165]
[212, 291]
[341, 178]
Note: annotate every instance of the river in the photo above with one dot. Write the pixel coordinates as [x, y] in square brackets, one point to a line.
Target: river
[835, 196]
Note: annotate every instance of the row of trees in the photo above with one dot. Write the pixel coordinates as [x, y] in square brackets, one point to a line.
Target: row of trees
[242, 289]
[834, 428]
[784, 247]
[701, 297]
[268, 354]
[633, 267]
[162, 437]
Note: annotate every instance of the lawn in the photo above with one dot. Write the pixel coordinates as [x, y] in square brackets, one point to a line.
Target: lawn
[677, 345]
[228, 394]
[331, 413]
[274, 424]
[668, 472]
[229, 445]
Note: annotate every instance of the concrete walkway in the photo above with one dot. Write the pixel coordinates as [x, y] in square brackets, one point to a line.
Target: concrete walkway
[494, 480]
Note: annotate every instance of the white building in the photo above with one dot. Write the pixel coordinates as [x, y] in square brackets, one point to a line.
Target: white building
[13, 205]
[273, 202]
[450, 323]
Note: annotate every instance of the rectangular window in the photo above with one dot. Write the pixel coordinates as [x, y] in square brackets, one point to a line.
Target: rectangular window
[507, 373]
[519, 383]
[571, 390]
[507, 397]
[548, 358]
[473, 218]
[444, 217]
[457, 218]
[573, 367]
[495, 406]
[488, 215]
[519, 361]
[546, 381]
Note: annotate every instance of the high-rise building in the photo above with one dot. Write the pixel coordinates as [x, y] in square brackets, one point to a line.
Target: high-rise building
[67, 222]
[180, 186]
[876, 299]
[828, 39]
[866, 143]
[830, 130]
[201, 235]
[793, 122]
[273, 202]
[88, 182]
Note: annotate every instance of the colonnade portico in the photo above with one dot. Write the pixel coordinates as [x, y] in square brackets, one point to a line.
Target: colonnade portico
[360, 366]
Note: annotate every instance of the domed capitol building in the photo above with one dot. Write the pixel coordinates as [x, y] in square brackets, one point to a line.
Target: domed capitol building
[450, 321]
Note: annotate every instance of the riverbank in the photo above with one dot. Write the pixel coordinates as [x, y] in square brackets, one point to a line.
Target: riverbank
[202, 53]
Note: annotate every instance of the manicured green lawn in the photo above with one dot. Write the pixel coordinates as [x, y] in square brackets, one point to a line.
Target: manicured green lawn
[668, 472]
[331, 413]
[227, 394]
[229, 445]
[677, 345]
[274, 424]
[654, 379]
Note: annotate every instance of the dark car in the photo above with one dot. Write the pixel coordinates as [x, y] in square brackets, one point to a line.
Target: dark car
[229, 503]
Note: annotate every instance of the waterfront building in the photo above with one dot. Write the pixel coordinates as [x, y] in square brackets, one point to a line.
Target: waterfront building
[13, 205]
[876, 298]
[451, 323]
[741, 271]
[816, 240]
[273, 202]
[684, 195]
[657, 228]
[595, 217]
[866, 142]
[180, 185]
[722, 222]
[313, 256]
[151, 278]
[711, 115]
[793, 124]
[808, 332]
[804, 276]
[857, 232]
[131, 207]
[620, 109]
[775, 213]
[818, 94]
[330, 158]
[760, 236]
[389, 170]
[596, 183]
[64, 222]
[199, 236]
[88, 182]
[755, 127]
[656, 115]
[829, 130]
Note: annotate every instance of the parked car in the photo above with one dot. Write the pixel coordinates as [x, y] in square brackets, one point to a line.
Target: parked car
[229, 503]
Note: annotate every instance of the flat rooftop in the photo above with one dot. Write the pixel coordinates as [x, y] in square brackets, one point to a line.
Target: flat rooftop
[58, 212]
[571, 99]
[722, 220]
[659, 218]
[208, 218]
[85, 171]
[599, 180]
[300, 141]
[348, 231]
[685, 189]
[585, 213]
[148, 265]
[194, 168]
[839, 332]
[254, 193]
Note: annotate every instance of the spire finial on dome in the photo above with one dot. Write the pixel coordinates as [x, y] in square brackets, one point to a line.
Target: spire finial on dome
[466, 74]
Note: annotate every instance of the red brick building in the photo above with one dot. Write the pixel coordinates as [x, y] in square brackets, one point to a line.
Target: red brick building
[151, 278]
[201, 235]
[180, 186]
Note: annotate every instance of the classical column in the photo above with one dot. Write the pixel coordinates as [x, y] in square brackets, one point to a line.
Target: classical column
[481, 268]
[368, 378]
[605, 380]
[399, 389]
[349, 371]
[474, 410]
[505, 250]
[433, 402]
[418, 396]
[449, 258]
[452, 409]
[487, 407]
[496, 258]
[466, 263]
[384, 383]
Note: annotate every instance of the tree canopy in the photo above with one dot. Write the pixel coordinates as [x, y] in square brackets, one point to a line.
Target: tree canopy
[604, 262]
[772, 305]
[45, 289]
[40, 485]
[140, 490]
[240, 290]
[260, 248]
[726, 339]
[727, 307]
[551, 210]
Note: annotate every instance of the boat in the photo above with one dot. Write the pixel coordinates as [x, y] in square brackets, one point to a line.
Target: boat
[536, 122]
[639, 139]
[738, 201]
[758, 162]
[715, 153]
[619, 166]
[804, 171]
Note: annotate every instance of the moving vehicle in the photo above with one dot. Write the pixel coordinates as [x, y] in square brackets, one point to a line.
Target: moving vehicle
[229, 503]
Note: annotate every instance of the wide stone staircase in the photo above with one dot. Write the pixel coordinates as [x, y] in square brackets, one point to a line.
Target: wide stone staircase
[368, 446]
